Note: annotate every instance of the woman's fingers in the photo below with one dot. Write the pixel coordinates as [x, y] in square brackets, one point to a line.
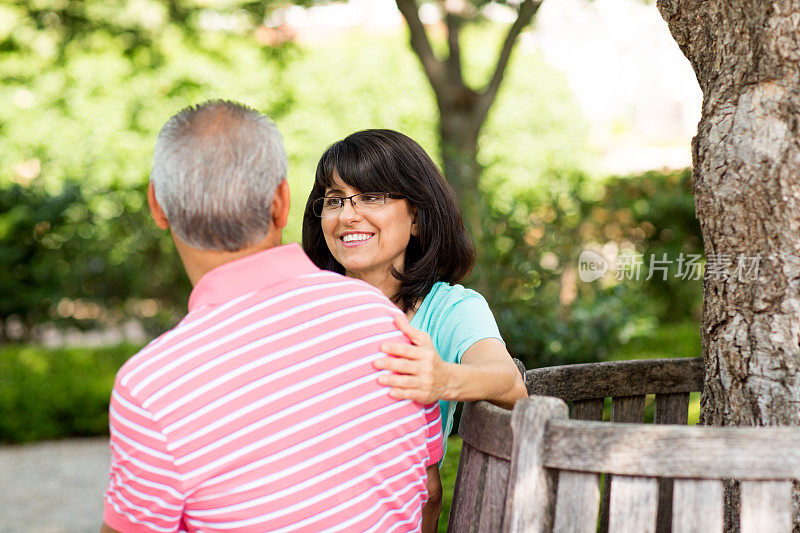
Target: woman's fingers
[409, 394]
[399, 381]
[417, 337]
[401, 366]
[409, 351]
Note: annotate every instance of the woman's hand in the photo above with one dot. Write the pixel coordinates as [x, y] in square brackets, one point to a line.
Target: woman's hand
[419, 373]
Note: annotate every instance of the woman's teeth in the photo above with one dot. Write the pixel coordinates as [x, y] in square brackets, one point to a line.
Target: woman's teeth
[356, 237]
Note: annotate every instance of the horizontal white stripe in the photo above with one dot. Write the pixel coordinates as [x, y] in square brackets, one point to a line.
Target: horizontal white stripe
[186, 325]
[161, 487]
[330, 511]
[133, 443]
[199, 391]
[291, 430]
[228, 355]
[144, 510]
[146, 467]
[300, 365]
[316, 480]
[299, 406]
[239, 332]
[413, 519]
[317, 439]
[133, 519]
[183, 328]
[410, 500]
[238, 317]
[122, 484]
[138, 428]
[130, 406]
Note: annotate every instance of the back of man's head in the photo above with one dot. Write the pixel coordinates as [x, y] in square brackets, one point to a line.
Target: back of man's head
[216, 167]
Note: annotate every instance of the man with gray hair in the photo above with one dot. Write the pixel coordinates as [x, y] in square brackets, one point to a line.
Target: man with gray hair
[260, 410]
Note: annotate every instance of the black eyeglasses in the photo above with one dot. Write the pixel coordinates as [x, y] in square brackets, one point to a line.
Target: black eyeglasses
[367, 202]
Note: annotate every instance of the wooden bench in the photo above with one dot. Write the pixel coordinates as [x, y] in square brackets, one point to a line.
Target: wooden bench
[554, 482]
[482, 482]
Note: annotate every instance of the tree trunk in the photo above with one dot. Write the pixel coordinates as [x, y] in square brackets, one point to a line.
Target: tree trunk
[747, 194]
[746, 158]
[462, 110]
[459, 129]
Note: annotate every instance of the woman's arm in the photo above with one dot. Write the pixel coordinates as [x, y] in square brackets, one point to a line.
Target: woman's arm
[433, 507]
[486, 372]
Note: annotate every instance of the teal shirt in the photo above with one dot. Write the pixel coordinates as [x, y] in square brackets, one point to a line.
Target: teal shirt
[455, 318]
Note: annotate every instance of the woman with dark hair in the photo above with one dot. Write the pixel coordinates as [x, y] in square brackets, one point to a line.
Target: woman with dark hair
[381, 211]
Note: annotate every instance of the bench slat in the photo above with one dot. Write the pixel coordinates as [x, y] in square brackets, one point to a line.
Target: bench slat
[697, 506]
[616, 378]
[587, 409]
[493, 501]
[629, 409]
[577, 502]
[673, 451]
[669, 409]
[531, 498]
[486, 427]
[471, 468]
[766, 506]
[634, 502]
[672, 409]
[624, 409]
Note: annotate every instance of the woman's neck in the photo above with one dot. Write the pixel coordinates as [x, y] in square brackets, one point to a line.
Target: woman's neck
[388, 285]
[384, 281]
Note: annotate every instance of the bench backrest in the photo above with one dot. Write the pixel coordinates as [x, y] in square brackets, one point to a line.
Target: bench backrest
[554, 482]
[482, 483]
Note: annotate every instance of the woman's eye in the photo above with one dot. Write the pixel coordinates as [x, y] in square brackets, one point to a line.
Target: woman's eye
[333, 202]
[371, 198]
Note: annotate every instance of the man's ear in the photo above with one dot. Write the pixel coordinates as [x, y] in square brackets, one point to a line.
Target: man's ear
[155, 210]
[279, 209]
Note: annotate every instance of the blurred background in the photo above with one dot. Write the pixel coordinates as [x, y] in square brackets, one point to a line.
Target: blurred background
[586, 147]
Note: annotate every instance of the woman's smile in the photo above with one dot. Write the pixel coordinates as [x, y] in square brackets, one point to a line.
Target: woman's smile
[355, 238]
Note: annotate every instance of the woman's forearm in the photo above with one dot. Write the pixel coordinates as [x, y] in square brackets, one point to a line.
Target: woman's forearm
[496, 381]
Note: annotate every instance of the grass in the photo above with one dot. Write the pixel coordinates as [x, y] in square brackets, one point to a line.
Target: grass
[448, 473]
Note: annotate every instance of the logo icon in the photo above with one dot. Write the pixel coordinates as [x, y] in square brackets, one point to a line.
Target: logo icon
[591, 266]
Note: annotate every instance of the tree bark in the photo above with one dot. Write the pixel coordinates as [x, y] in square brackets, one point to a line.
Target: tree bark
[746, 157]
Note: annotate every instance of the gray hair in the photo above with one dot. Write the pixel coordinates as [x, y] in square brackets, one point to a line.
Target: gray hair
[216, 167]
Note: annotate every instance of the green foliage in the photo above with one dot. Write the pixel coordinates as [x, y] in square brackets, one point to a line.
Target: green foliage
[655, 213]
[49, 394]
[680, 339]
[86, 100]
[86, 257]
[529, 259]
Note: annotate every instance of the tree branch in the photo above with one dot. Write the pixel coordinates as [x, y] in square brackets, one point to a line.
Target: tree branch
[527, 10]
[434, 69]
[453, 61]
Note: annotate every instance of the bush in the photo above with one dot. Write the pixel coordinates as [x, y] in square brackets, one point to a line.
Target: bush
[50, 394]
[86, 257]
[528, 261]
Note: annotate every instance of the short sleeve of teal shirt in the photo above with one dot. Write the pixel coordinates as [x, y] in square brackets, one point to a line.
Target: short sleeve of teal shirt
[456, 318]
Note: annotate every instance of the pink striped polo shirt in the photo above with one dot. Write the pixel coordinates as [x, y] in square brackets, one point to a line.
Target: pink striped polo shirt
[261, 411]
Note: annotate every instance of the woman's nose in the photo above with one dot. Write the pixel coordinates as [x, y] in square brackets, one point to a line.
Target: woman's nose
[349, 212]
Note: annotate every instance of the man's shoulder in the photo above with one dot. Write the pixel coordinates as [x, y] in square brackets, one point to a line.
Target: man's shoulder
[344, 285]
[329, 291]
